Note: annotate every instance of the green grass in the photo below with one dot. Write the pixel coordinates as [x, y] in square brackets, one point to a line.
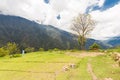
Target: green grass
[80, 73]
[49, 66]
[105, 67]
[32, 65]
[114, 50]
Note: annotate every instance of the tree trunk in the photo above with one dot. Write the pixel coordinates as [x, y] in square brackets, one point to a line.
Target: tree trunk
[81, 41]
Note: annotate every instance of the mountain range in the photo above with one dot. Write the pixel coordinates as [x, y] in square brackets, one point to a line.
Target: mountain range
[28, 33]
[114, 41]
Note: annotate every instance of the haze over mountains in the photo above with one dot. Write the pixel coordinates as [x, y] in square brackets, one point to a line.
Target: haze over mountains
[28, 33]
[114, 41]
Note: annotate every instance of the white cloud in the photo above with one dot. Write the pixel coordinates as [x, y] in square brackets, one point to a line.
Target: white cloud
[108, 24]
[38, 10]
[101, 2]
[108, 21]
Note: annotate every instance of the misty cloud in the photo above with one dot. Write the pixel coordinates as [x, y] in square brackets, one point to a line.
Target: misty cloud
[48, 12]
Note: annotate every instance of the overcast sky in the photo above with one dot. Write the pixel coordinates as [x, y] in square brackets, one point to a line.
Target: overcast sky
[60, 13]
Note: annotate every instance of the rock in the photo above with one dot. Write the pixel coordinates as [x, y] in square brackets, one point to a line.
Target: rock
[116, 56]
[72, 66]
[65, 68]
[108, 79]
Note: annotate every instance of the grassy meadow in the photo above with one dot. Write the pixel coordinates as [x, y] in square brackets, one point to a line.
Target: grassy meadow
[49, 65]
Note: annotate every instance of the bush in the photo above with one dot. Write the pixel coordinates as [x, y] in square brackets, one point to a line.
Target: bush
[16, 55]
[94, 46]
[3, 52]
[29, 49]
[50, 50]
[12, 48]
[41, 49]
[55, 49]
[9, 49]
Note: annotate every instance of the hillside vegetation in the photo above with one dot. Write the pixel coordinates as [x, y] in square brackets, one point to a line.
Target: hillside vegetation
[56, 65]
[28, 33]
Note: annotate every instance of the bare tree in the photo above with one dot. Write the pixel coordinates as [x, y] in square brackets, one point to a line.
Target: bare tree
[83, 25]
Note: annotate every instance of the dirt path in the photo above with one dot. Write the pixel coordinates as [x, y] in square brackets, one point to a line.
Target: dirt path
[84, 54]
[94, 77]
[87, 54]
[90, 70]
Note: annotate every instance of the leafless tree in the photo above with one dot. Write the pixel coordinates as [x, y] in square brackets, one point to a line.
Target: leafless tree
[83, 25]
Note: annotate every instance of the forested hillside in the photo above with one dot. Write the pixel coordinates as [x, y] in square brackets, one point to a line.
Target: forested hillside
[30, 34]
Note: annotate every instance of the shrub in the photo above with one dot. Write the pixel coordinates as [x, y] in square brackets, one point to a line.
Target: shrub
[12, 48]
[50, 50]
[16, 55]
[55, 49]
[94, 46]
[29, 49]
[3, 52]
[41, 49]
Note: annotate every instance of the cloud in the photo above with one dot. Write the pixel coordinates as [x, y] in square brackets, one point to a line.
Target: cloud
[101, 3]
[47, 13]
[40, 11]
[108, 24]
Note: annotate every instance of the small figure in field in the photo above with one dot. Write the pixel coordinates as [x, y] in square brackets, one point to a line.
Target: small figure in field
[23, 52]
[72, 66]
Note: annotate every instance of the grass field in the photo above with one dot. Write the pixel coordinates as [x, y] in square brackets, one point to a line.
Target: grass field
[49, 66]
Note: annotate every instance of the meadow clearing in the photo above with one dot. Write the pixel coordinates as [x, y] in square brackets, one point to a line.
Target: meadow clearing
[56, 65]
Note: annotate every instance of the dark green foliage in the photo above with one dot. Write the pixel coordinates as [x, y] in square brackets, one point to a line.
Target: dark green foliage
[3, 52]
[9, 49]
[41, 49]
[31, 34]
[50, 50]
[55, 49]
[94, 46]
[16, 55]
[29, 49]
[28, 33]
[12, 48]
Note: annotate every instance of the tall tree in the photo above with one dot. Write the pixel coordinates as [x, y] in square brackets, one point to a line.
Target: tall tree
[83, 25]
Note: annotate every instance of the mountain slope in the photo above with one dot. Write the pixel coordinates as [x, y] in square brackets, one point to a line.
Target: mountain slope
[30, 34]
[114, 41]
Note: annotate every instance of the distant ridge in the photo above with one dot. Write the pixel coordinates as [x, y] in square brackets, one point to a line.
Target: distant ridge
[114, 41]
[28, 33]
